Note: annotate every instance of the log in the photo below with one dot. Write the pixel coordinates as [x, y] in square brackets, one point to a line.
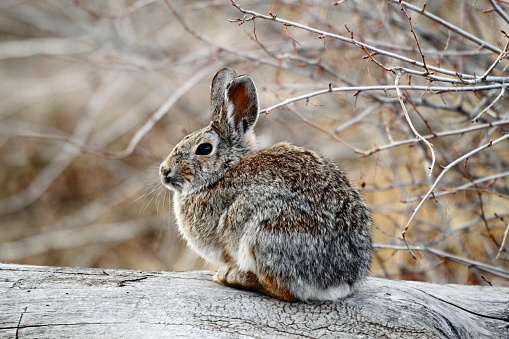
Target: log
[55, 302]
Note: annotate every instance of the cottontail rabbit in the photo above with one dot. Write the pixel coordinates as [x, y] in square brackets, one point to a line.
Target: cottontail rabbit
[283, 221]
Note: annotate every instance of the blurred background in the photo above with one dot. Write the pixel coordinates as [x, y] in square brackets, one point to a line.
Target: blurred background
[94, 94]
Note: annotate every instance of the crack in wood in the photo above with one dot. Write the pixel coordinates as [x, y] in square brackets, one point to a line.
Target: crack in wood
[506, 319]
[87, 303]
[124, 283]
[19, 322]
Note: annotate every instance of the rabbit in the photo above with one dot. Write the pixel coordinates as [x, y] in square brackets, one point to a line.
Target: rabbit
[282, 221]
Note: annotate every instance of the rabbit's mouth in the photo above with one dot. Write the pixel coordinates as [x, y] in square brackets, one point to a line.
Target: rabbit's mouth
[172, 183]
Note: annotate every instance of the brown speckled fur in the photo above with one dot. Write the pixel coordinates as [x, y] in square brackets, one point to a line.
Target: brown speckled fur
[282, 221]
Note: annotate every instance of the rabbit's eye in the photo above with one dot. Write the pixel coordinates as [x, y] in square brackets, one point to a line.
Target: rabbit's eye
[204, 149]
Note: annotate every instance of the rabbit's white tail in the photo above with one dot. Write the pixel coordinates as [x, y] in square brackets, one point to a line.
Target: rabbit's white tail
[308, 292]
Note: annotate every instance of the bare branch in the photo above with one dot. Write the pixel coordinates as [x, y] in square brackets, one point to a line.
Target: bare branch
[502, 55]
[65, 157]
[70, 238]
[434, 89]
[333, 136]
[465, 78]
[450, 26]
[415, 37]
[502, 91]
[47, 46]
[166, 106]
[87, 89]
[503, 252]
[464, 186]
[499, 10]
[447, 168]
[358, 117]
[418, 136]
[448, 256]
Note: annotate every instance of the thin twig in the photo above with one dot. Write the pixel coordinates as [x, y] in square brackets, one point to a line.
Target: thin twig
[499, 10]
[415, 37]
[100, 152]
[400, 97]
[418, 136]
[461, 228]
[447, 168]
[370, 56]
[358, 117]
[497, 271]
[501, 56]
[332, 135]
[255, 57]
[464, 186]
[128, 11]
[64, 158]
[448, 25]
[434, 89]
[165, 107]
[250, 56]
[502, 91]
[503, 252]
[76, 237]
[465, 78]
[482, 213]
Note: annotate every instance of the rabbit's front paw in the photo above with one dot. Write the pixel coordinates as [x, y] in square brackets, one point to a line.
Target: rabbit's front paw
[232, 276]
[220, 276]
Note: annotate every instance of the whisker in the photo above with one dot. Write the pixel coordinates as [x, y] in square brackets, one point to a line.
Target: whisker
[146, 206]
[146, 193]
[164, 204]
[169, 203]
[158, 200]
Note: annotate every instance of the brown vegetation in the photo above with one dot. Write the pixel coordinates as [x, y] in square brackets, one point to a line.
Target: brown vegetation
[409, 99]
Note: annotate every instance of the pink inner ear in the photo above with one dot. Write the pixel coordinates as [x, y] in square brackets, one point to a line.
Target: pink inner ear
[240, 99]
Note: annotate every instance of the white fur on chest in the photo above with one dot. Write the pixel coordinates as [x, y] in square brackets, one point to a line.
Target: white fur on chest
[240, 251]
[207, 250]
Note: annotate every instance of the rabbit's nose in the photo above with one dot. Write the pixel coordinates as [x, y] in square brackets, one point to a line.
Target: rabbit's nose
[170, 177]
[166, 172]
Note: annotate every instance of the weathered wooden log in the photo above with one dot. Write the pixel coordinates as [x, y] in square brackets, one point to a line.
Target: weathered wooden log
[54, 302]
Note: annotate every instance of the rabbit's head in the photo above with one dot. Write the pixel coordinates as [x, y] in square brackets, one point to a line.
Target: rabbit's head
[202, 157]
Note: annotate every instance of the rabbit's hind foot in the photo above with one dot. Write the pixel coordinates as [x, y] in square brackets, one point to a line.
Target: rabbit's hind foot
[232, 276]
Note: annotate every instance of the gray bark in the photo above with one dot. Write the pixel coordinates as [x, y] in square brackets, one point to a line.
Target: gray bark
[53, 302]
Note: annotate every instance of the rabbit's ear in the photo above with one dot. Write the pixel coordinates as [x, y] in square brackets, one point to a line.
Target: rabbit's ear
[240, 105]
[219, 84]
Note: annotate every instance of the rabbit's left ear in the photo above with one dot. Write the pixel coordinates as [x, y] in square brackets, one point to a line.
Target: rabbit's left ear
[240, 105]
[219, 84]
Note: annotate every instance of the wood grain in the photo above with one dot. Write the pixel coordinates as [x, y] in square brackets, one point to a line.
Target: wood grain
[54, 302]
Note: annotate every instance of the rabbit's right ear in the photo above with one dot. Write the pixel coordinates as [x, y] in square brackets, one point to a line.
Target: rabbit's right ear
[239, 110]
